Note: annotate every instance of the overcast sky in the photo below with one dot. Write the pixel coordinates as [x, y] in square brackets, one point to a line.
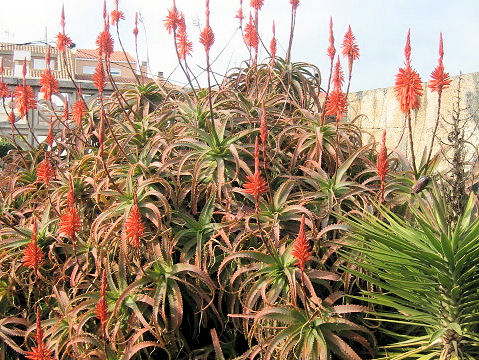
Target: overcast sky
[380, 27]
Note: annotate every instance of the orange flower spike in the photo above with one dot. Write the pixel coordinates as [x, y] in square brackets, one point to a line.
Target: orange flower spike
[207, 37]
[173, 19]
[11, 115]
[302, 249]
[4, 92]
[350, 48]
[239, 14]
[47, 80]
[33, 255]
[105, 44]
[331, 48]
[101, 309]
[439, 79]
[99, 76]
[49, 138]
[39, 352]
[338, 77]
[382, 165]
[408, 86]
[256, 185]
[63, 41]
[251, 38]
[24, 95]
[257, 4]
[45, 171]
[273, 44]
[134, 225]
[70, 222]
[116, 15]
[135, 29]
[184, 45]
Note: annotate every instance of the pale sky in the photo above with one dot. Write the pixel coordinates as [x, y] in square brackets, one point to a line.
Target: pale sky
[380, 27]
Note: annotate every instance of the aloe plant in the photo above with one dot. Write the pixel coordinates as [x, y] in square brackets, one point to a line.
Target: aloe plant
[425, 271]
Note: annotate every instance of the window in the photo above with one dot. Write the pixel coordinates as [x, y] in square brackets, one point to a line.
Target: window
[115, 72]
[19, 70]
[39, 64]
[88, 70]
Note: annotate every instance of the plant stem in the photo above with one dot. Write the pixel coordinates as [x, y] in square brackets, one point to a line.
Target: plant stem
[435, 130]
[411, 144]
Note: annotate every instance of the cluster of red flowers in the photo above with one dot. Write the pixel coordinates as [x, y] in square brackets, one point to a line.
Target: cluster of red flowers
[33, 255]
[4, 91]
[256, 4]
[134, 225]
[239, 14]
[99, 76]
[302, 249]
[294, 4]
[207, 37]
[70, 222]
[39, 352]
[173, 20]
[185, 46]
[408, 86]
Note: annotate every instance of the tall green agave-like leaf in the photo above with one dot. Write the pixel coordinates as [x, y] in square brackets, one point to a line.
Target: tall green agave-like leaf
[428, 270]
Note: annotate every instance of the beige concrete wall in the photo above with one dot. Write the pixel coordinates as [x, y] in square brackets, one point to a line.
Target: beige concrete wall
[378, 109]
[122, 66]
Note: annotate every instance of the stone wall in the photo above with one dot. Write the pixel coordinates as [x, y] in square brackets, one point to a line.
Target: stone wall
[378, 109]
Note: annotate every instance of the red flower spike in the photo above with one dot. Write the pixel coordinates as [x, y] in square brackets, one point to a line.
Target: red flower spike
[104, 42]
[173, 19]
[49, 84]
[407, 48]
[39, 352]
[99, 76]
[439, 79]
[251, 38]
[441, 47]
[302, 249]
[350, 48]
[207, 37]
[62, 18]
[70, 222]
[338, 77]
[273, 44]
[256, 185]
[256, 4]
[11, 115]
[78, 112]
[24, 71]
[239, 14]
[382, 165]
[49, 138]
[134, 225]
[135, 29]
[337, 104]
[63, 41]
[331, 48]
[24, 99]
[45, 171]
[33, 255]
[184, 45]
[294, 4]
[101, 309]
[116, 15]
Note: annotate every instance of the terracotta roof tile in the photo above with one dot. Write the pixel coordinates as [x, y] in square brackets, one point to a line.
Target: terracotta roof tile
[93, 54]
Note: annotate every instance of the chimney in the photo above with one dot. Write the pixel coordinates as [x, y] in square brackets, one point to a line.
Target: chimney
[160, 76]
[143, 69]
